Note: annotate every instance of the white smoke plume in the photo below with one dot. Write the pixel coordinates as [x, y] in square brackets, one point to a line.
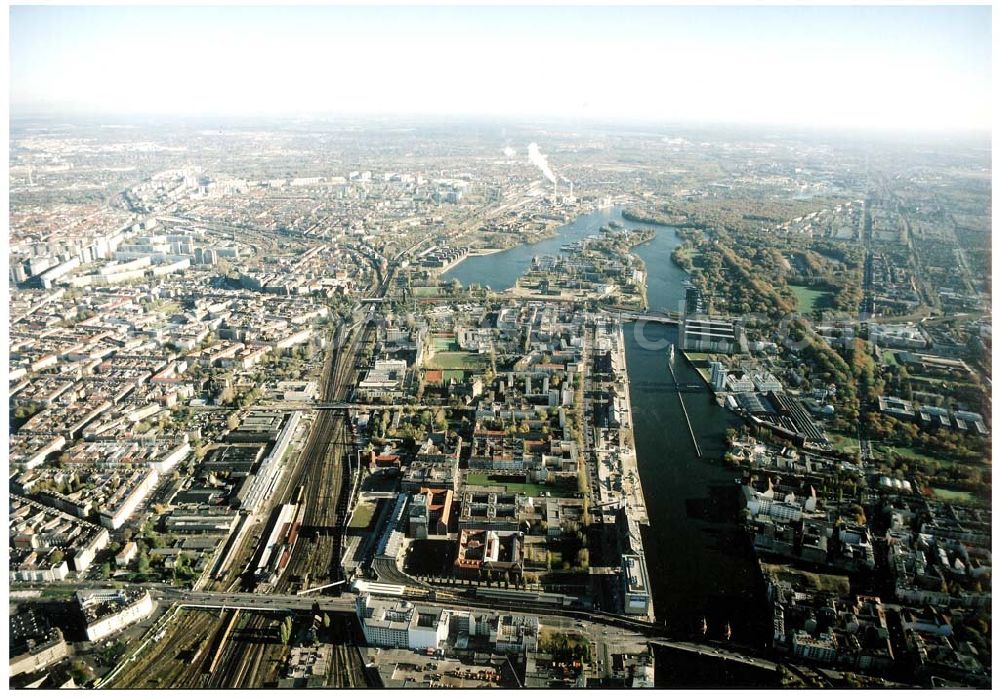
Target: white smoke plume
[540, 161]
[509, 152]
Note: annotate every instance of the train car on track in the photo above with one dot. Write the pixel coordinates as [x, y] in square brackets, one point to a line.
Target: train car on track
[514, 596]
[282, 539]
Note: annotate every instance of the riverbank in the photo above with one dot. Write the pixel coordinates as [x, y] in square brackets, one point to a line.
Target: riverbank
[656, 219]
[451, 265]
[648, 218]
[635, 498]
[703, 373]
[640, 263]
[501, 269]
[697, 557]
[611, 458]
[481, 252]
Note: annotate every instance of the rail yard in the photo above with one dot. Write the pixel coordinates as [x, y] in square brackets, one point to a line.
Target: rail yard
[299, 546]
[302, 547]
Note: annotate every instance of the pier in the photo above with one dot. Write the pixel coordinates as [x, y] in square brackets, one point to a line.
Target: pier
[680, 396]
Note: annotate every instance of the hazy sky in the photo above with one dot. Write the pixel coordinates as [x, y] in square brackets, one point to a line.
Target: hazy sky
[923, 67]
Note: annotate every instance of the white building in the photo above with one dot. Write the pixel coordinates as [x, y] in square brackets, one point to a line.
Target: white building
[902, 336]
[781, 510]
[399, 623]
[385, 379]
[517, 633]
[298, 391]
[743, 384]
[106, 611]
[711, 335]
[172, 458]
[51, 650]
[37, 568]
[95, 539]
[120, 506]
[635, 585]
[126, 554]
[821, 649]
[766, 382]
[34, 450]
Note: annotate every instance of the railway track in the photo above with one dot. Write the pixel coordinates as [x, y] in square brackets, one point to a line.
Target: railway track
[346, 665]
[322, 469]
[332, 378]
[168, 663]
[249, 659]
[181, 660]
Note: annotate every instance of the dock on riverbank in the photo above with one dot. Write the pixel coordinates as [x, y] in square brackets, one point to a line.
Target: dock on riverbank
[684, 409]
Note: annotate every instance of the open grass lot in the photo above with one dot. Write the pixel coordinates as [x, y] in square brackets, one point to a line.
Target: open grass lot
[547, 635]
[458, 360]
[444, 344]
[918, 455]
[810, 580]
[954, 496]
[927, 381]
[809, 299]
[531, 489]
[931, 383]
[426, 291]
[166, 307]
[362, 517]
[843, 442]
[700, 361]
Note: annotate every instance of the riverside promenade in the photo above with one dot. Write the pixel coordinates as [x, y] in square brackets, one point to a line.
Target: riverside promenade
[635, 500]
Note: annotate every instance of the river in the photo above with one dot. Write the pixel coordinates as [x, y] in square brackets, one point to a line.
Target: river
[698, 561]
[499, 271]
